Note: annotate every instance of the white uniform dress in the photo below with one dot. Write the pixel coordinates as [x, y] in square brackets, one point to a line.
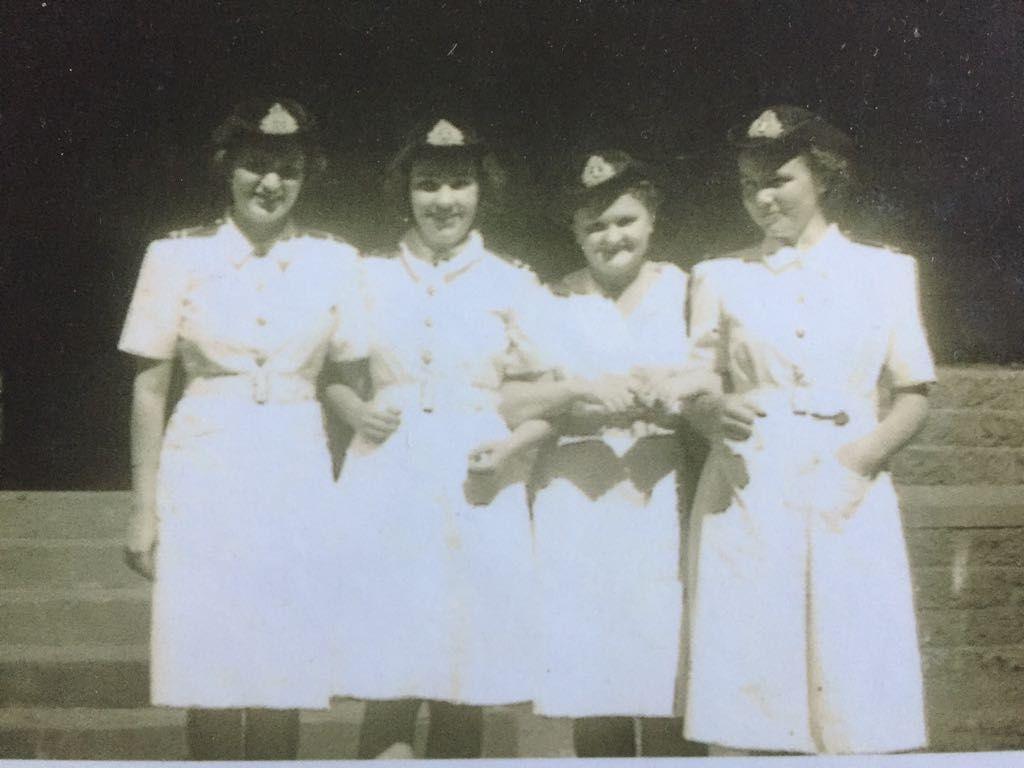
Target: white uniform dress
[244, 481]
[803, 634]
[437, 602]
[607, 516]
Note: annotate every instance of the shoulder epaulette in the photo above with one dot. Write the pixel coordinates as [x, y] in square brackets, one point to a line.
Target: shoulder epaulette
[560, 289]
[383, 253]
[320, 234]
[513, 262]
[207, 230]
[878, 244]
[574, 283]
[754, 252]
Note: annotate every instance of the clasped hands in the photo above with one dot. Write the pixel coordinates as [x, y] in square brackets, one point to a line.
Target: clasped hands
[834, 490]
[643, 392]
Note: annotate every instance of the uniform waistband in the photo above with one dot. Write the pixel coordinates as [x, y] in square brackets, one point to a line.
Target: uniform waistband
[838, 408]
[261, 386]
[436, 396]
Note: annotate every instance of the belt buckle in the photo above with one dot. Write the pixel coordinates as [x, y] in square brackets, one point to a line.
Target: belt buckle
[840, 418]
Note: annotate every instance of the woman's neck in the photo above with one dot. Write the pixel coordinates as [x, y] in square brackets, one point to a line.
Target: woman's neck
[614, 287]
[260, 237]
[812, 233]
[431, 254]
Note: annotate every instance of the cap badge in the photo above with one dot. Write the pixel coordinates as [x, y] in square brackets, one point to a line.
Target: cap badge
[767, 126]
[597, 171]
[278, 122]
[444, 134]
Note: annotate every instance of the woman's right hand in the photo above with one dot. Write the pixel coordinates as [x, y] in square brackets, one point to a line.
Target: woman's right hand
[140, 544]
[729, 416]
[141, 561]
[373, 424]
[612, 393]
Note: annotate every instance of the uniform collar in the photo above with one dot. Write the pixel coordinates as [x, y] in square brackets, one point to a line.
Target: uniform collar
[779, 257]
[583, 282]
[458, 263]
[241, 249]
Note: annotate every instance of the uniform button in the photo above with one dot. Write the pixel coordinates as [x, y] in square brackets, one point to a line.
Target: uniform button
[261, 359]
[431, 290]
[800, 299]
[428, 322]
[426, 357]
[800, 333]
[261, 321]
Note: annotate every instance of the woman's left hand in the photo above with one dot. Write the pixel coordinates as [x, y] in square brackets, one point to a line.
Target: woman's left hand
[141, 561]
[858, 459]
[668, 389]
[488, 458]
[485, 476]
[837, 489]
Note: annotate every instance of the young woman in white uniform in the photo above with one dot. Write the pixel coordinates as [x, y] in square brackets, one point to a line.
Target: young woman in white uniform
[437, 602]
[232, 498]
[606, 504]
[803, 635]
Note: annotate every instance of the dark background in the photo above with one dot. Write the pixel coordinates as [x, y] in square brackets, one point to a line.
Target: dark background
[106, 107]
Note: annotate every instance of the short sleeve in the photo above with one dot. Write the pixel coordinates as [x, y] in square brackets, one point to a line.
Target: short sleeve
[909, 359]
[351, 337]
[705, 322]
[154, 315]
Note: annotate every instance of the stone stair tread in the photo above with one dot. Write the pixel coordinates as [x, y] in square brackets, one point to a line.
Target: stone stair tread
[89, 718]
[64, 514]
[144, 717]
[140, 594]
[71, 654]
[962, 495]
[156, 733]
[962, 506]
[49, 543]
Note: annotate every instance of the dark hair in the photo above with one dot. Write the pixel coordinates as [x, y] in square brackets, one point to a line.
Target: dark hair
[834, 172]
[643, 190]
[489, 172]
[784, 131]
[244, 128]
[622, 174]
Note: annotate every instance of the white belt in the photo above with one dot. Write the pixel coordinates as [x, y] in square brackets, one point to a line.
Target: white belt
[261, 386]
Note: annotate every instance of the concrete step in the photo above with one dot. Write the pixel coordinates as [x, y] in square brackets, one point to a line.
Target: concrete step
[81, 675]
[965, 679]
[91, 678]
[979, 387]
[958, 465]
[961, 506]
[64, 564]
[69, 592]
[100, 515]
[159, 734]
[973, 427]
[75, 616]
[981, 729]
[51, 520]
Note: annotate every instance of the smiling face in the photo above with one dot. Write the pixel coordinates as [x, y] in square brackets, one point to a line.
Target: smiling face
[614, 240]
[444, 194]
[784, 200]
[265, 183]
